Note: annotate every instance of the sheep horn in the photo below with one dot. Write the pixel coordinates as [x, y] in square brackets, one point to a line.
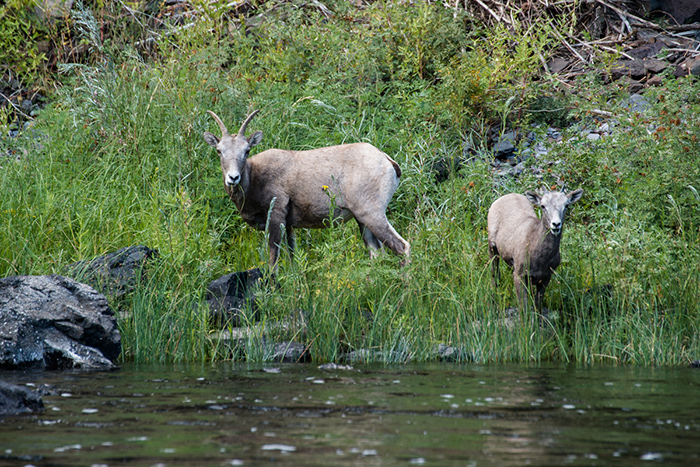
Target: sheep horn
[245, 123]
[224, 131]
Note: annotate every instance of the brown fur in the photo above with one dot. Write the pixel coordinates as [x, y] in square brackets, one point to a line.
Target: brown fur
[526, 243]
[355, 180]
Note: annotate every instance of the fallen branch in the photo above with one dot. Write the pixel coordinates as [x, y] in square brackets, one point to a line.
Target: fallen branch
[627, 14]
[492, 13]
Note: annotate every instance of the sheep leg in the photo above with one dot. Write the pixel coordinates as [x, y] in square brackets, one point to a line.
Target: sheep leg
[520, 291]
[371, 242]
[539, 294]
[277, 218]
[385, 233]
[291, 241]
[495, 261]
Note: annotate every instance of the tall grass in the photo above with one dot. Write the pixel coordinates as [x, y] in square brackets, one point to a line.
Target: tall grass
[121, 161]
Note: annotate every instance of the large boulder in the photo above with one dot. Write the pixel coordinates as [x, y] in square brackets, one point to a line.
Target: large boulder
[16, 400]
[53, 322]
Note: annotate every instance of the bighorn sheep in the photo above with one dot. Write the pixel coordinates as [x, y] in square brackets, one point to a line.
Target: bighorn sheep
[353, 181]
[527, 244]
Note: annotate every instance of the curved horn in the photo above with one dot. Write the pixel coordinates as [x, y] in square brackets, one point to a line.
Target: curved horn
[245, 123]
[224, 131]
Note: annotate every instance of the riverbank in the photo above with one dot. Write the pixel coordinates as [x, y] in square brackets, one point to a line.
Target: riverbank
[117, 159]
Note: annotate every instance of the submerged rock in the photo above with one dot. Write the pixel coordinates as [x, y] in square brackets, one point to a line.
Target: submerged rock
[16, 400]
[54, 323]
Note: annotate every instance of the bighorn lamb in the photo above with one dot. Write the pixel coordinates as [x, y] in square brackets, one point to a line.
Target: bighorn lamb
[527, 244]
[353, 180]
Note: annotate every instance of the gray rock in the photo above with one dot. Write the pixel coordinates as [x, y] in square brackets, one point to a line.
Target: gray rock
[636, 103]
[290, 352]
[230, 295]
[447, 353]
[556, 65]
[15, 400]
[53, 322]
[114, 274]
[655, 66]
[48, 9]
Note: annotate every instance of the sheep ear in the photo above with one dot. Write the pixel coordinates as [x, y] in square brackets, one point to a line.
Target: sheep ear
[575, 195]
[255, 139]
[533, 197]
[211, 139]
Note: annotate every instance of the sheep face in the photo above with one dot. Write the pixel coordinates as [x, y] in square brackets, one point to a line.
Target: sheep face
[553, 205]
[233, 150]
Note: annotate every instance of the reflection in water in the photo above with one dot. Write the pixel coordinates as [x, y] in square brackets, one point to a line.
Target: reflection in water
[229, 414]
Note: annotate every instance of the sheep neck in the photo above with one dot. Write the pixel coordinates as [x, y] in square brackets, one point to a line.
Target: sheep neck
[546, 246]
[543, 245]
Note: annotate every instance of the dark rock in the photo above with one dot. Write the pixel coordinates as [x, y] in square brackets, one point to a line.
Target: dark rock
[630, 68]
[505, 145]
[114, 274]
[15, 400]
[655, 81]
[690, 66]
[632, 85]
[683, 11]
[230, 295]
[693, 66]
[647, 51]
[53, 322]
[655, 66]
[444, 166]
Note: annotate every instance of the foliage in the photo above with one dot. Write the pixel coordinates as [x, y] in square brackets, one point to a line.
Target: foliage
[118, 159]
[19, 38]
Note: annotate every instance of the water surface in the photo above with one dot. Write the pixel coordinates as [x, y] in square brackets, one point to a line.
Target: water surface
[442, 414]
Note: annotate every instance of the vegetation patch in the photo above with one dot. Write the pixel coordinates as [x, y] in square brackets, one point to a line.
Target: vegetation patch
[117, 159]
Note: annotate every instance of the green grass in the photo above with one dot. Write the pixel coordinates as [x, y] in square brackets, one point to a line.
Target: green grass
[121, 161]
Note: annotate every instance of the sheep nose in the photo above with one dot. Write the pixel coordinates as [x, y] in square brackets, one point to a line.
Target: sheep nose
[233, 179]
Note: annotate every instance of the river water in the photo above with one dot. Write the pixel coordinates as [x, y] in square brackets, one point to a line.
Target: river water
[439, 414]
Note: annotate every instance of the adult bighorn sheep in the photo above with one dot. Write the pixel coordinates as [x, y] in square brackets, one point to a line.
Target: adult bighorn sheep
[527, 244]
[310, 189]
